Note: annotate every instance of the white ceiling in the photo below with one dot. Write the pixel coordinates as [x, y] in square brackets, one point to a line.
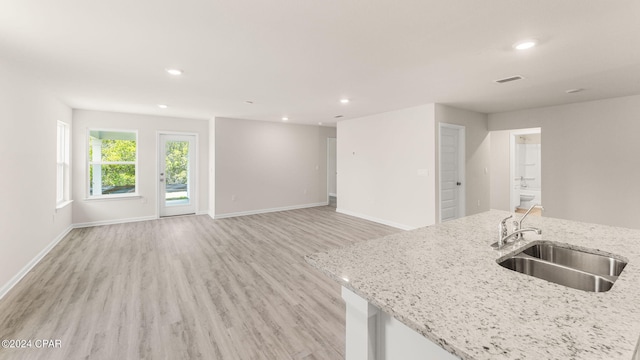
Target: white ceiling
[297, 58]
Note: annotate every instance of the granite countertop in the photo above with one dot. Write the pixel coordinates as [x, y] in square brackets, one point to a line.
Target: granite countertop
[444, 282]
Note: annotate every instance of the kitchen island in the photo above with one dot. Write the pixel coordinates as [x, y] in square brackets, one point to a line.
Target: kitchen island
[443, 283]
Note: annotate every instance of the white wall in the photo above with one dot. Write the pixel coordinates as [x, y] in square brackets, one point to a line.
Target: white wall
[477, 156]
[29, 221]
[590, 166]
[91, 212]
[262, 166]
[378, 161]
[500, 173]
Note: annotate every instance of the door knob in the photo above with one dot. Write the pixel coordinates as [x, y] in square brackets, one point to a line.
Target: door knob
[458, 183]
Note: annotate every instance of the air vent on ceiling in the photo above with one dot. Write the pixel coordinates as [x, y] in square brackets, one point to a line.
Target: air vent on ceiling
[509, 79]
[573, 91]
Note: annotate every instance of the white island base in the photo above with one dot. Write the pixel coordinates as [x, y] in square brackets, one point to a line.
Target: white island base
[372, 334]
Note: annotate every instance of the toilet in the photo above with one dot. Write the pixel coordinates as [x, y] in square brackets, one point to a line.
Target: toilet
[525, 200]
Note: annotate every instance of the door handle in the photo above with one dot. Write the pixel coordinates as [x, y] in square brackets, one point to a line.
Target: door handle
[458, 183]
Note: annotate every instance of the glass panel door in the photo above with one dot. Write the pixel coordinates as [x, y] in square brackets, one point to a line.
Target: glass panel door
[177, 174]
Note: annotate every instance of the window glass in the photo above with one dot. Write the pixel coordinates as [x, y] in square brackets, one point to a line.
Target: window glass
[112, 162]
[62, 160]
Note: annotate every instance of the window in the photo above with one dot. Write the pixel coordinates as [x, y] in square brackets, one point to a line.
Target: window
[113, 163]
[62, 173]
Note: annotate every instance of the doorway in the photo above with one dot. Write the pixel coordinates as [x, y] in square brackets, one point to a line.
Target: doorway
[525, 169]
[452, 171]
[177, 169]
[332, 172]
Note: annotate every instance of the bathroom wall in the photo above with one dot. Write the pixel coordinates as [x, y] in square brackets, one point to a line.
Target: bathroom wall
[528, 165]
[527, 170]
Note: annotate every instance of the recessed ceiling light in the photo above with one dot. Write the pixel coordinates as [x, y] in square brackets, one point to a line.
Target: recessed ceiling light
[162, 106]
[525, 44]
[337, 116]
[344, 101]
[174, 72]
[285, 118]
[248, 101]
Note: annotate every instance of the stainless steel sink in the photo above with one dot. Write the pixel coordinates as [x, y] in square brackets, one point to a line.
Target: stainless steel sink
[576, 259]
[565, 266]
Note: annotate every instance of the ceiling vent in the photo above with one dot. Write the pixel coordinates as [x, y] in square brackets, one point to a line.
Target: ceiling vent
[509, 79]
[573, 91]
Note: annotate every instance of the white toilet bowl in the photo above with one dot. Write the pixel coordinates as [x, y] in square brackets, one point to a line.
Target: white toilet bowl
[525, 200]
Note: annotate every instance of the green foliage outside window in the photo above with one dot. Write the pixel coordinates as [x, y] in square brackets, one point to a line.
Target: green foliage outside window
[116, 178]
[177, 162]
[122, 177]
[121, 174]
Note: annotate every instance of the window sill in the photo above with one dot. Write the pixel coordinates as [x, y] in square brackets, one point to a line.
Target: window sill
[114, 197]
[63, 204]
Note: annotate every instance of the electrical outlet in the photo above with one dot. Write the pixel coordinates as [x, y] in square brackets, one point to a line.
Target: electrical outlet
[304, 191]
[478, 203]
[233, 198]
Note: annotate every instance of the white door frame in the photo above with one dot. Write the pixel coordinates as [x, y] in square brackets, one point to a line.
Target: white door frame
[196, 168]
[461, 169]
[328, 175]
[512, 164]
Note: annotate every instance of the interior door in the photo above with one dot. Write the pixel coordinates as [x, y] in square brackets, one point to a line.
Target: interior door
[451, 172]
[177, 190]
[331, 167]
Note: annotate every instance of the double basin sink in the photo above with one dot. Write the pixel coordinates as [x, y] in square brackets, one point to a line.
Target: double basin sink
[560, 264]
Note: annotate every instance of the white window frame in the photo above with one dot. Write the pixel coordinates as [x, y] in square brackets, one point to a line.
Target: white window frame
[63, 141]
[91, 163]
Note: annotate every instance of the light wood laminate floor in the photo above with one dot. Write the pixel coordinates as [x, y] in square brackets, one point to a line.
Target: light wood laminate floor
[187, 288]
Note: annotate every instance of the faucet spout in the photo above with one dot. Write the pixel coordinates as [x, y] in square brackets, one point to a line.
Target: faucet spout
[504, 236]
[527, 214]
[517, 234]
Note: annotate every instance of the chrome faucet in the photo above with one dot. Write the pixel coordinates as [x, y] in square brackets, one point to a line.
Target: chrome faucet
[504, 236]
[517, 225]
[517, 234]
[502, 227]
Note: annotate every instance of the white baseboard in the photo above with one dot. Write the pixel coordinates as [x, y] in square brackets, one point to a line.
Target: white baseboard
[112, 222]
[263, 211]
[379, 221]
[127, 220]
[25, 270]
